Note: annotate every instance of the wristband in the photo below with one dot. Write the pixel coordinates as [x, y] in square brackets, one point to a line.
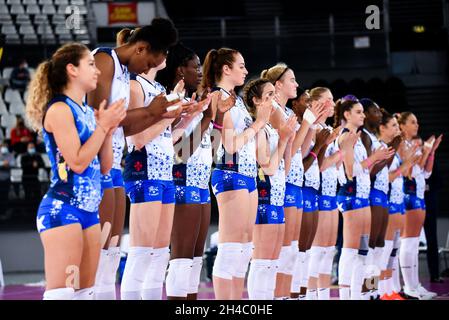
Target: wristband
[313, 126]
[173, 96]
[216, 126]
[309, 116]
[314, 155]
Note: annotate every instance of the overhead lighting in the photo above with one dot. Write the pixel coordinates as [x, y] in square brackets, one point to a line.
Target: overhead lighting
[419, 29]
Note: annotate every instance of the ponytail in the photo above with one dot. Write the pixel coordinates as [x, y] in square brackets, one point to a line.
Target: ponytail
[213, 65]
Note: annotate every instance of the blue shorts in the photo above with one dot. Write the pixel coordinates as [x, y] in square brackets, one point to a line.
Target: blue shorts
[269, 214]
[151, 190]
[378, 198]
[412, 202]
[106, 182]
[54, 213]
[112, 180]
[191, 195]
[396, 208]
[327, 203]
[293, 196]
[346, 203]
[310, 196]
[223, 181]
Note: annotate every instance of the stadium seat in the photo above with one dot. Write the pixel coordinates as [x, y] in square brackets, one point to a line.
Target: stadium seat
[48, 38]
[58, 19]
[77, 2]
[62, 9]
[64, 38]
[40, 19]
[44, 2]
[16, 173]
[11, 2]
[17, 9]
[48, 9]
[12, 95]
[29, 1]
[23, 19]
[7, 71]
[8, 121]
[59, 2]
[3, 109]
[9, 29]
[44, 28]
[33, 9]
[4, 9]
[5, 18]
[17, 108]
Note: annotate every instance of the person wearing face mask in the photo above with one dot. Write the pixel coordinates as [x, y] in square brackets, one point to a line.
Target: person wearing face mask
[20, 76]
[20, 136]
[6, 162]
[30, 163]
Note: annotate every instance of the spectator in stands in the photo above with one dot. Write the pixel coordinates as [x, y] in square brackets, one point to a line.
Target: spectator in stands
[6, 162]
[20, 136]
[30, 163]
[20, 76]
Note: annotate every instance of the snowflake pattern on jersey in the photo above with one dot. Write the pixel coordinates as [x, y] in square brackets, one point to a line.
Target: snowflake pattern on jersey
[329, 176]
[199, 165]
[296, 174]
[277, 180]
[241, 118]
[87, 194]
[312, 175]
[397, 185]
[363, 178]
[118, 144]
[160, 154]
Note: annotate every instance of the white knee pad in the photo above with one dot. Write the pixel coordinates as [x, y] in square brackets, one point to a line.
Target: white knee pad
[84, 294]
[195, 275]
[327, 261]
[305, 270]
[284, 261]
[59, 294]
[178, 277]
[228, 254]
[137, 264]
[357, 276]
[388, 248]
[156, 272]
[102, 266]
[271, 282]
[105, 285]
[345, 266]
[242, 266]
[377, 260]
[316, 256]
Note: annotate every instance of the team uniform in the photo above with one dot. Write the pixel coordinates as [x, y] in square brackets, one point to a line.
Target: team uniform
[192, 178]
[328, 192]
[354, 194]
[271, 189]
[414, 189]
[148, 171]
[379, 188]
[295, 177]
[311, 186]
[72, 197]
[120, 89]
[237, 171]
[396, 198]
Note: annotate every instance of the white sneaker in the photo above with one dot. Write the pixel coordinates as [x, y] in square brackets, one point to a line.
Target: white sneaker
[414, 293]
[424, 291]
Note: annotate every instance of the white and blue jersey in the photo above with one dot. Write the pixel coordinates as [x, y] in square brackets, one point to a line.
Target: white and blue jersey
[148, 171]
[295, 176]
[311, 185]
[192, 178]
[72, 197]
[271, 189]
[328, 193]
[120, 89]
[414, 188]
[354, 194]
[239, 170]
[396, 191]
[379, 190]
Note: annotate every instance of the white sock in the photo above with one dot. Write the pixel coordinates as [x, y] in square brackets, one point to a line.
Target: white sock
[416, 263]
[396, 281]
[195, 275]
[358, 273]
[344, 293]
[101, 269]
[407, 260]
[105, 288]
[137, 263]
[381, 287]
[346, 265]
[377, 259]
[388, 286]
[258, 277]
[154, 279]
[297, 275]
[271, 281]
[311, 294]
[324, 294]
[84, 294]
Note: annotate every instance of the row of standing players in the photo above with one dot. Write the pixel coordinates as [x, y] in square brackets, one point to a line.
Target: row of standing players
[268, 164]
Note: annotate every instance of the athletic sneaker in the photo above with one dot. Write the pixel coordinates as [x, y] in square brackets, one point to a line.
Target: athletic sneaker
[396, 296]
[424, 291]
[415, 294]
